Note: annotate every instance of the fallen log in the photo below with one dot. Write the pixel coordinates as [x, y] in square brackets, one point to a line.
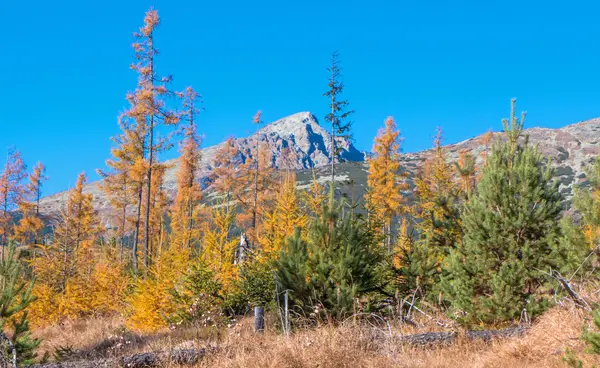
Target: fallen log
[445, 338]
[489, 335]
[141, 360]
[429, 338]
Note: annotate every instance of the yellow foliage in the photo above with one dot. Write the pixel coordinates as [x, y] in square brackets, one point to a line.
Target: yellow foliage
[385, 180]
[152, 302]
[286, 216]
[218, 251]
[73, 279]
[314, 197]
[109, 282]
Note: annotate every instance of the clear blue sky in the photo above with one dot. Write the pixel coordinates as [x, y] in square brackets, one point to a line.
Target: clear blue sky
[65, 67]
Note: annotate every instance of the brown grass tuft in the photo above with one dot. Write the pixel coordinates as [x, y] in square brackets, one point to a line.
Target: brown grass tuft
[344, 346]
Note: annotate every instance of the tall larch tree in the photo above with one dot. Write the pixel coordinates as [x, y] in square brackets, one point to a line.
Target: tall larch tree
[151, 92]
[511, 227]
[11, 193]
[224, 171]
[285, 217]
[125, 181]
[253, 186]
[64, 267]
[314, 198]
[219, 248]
[189, 193]
[437, 223]
[29, 229]
[386, 181]
[338, 110]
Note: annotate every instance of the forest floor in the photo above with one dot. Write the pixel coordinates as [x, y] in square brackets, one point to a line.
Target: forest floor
[349, 345]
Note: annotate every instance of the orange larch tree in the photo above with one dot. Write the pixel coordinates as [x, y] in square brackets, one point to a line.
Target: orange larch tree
[253, 190]
[314, 197]
[11, 193]
[253, 185]
[150, 94]
[189, 193]
[286, 215]
[28, 230]
[125, 182]
[64, 268]
[386, 181]
[224, 171]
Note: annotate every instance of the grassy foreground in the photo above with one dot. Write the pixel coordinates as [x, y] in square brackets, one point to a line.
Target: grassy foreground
[352, 345]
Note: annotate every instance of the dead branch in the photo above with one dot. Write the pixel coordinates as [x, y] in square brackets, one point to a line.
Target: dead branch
[141, 360]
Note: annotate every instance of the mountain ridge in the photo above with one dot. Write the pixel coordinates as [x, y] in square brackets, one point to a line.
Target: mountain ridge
[300, 143]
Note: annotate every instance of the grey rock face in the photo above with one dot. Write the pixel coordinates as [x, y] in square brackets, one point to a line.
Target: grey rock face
[298, 142]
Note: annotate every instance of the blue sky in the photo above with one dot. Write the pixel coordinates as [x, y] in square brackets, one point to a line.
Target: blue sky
[454, 64]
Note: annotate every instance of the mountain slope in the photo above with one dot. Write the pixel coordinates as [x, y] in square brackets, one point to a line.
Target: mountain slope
[298, 142]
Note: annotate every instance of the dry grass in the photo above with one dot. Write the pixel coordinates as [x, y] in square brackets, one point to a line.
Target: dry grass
[345, 346]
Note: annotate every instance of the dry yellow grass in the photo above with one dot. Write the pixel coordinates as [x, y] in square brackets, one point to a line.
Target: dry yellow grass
[345, 346]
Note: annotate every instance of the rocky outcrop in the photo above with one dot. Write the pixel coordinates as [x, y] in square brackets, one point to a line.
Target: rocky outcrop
[298, 142]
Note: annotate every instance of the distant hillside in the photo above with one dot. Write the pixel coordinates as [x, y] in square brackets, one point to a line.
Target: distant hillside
[304, 142]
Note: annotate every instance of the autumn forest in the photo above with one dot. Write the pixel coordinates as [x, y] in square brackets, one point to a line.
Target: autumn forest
[478, 244]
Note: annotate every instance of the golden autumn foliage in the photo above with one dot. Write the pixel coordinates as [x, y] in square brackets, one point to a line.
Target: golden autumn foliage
[314, 197]
[29, 228]
[435, 211]
[11, 193]
[224, 170]
[435, 182]
[148, 109]
[253, 189]
[219, 247]
[286, 215]
[151, 302]
[64, 267]
[185, 213]
[385, 180]
[124, 184]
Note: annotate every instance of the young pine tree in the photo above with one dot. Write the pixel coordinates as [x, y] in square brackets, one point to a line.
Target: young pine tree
[331, 273]
[580, 238]
[15, 298]
[587, 203]
[338, 115]
[384, 198]
[511, 224]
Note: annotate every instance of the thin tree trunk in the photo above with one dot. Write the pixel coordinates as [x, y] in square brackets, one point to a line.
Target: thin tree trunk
[148, 188]
[134, 249]
[150, 158]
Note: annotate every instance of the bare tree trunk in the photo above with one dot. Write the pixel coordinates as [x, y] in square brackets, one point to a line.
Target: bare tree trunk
[134, 249]
[149, 188]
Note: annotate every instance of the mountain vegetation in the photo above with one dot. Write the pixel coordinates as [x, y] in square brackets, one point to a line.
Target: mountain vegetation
[480, 240]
